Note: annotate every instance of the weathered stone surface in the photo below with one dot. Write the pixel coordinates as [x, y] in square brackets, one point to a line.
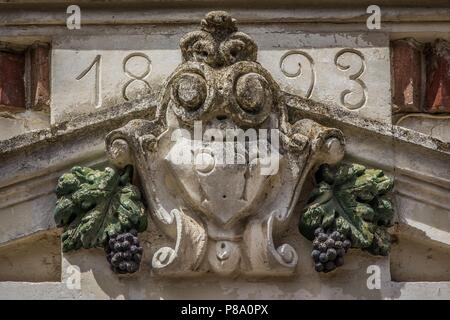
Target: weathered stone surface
[436, 126]
[407, 73]
[438, 77]
[12, 88]
[414, 260]
[17, 123]
[255, 11]
[120, 69]
[418, 161]
[368, 142]
[347, 68]
[32, 259]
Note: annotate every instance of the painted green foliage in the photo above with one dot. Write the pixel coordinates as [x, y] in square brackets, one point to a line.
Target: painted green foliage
[352, 200]
[94, 204]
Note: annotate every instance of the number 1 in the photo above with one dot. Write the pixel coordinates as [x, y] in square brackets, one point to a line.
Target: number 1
[97, 62]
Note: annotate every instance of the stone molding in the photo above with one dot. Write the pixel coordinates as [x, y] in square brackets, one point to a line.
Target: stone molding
[56, 17]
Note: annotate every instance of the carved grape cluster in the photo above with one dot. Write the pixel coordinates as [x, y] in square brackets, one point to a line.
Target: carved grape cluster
[124, 252]
[329, 250]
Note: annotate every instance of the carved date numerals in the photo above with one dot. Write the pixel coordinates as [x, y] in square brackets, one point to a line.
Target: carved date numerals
[134, 75]
[298, 54]
[97, 87]
[354, 77]
[300, 57]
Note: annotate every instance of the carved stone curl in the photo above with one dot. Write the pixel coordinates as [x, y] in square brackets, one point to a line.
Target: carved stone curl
[224, 217]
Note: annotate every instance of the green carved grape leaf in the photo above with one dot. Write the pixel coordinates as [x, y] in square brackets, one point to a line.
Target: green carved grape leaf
[94, 204]
[352, 200]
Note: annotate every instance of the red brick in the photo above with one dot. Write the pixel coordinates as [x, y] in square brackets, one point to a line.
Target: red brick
[437, 95]
[407, 60]
[40, 87]
[12, 89]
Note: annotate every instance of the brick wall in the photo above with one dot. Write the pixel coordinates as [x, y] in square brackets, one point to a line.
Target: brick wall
[12, 85]
[420, 76]
[24, 78]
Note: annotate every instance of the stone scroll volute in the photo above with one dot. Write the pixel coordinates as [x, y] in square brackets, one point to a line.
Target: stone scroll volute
[223, 215]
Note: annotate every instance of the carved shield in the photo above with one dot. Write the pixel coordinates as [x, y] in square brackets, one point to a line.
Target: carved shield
[224, 180]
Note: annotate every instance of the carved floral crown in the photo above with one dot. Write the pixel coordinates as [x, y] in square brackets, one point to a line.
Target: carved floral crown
[218, 43]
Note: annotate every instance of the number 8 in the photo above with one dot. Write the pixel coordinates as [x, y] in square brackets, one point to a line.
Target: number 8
[135, 77]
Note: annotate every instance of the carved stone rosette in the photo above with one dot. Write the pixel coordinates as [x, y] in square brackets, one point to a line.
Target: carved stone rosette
[225, 218]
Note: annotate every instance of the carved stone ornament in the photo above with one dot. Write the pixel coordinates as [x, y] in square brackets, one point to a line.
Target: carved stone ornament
[220, 165]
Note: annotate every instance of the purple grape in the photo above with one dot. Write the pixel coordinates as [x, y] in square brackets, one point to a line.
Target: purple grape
[125, 245]
[335, 235]
[322, 237]
[318, 267]
[316, 244]
[315, 255]
[122, 271]
[123, 265]
[124, 253]
[331, 254]
[318, 231]
[135, 267]
[115, 260]
[338, 244]
[347, 244]
[137, 258]
[323, 247]
[329, 243]
[132, 267]
[134, 249]
[330, 266]
[323, 257]
[341, 252]
[339, 261]
[127, 255]
[120, 237]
